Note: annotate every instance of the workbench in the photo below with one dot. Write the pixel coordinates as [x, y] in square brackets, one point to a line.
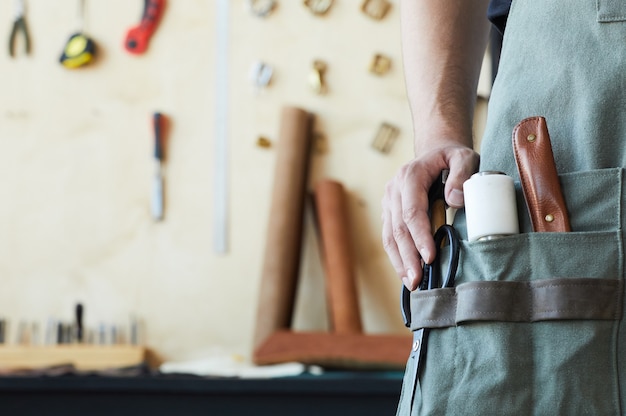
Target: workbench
[333, 393]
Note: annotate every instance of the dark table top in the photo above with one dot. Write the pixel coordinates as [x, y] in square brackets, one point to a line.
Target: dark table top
[333, 393]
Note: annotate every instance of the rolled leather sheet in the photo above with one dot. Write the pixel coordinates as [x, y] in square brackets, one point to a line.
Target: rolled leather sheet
[341, 289]
[284, 231]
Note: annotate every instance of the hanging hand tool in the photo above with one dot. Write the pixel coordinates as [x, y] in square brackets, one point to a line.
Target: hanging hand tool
[79, 50]
[158, 122]
[138, 37]
[221, 135]
[79, 323]
[261, 8]
[19, 25]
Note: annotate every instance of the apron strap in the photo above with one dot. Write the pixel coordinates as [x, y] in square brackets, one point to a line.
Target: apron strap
[538, 300]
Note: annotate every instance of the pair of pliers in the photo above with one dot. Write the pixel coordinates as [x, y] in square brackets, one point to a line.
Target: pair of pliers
[19, 24]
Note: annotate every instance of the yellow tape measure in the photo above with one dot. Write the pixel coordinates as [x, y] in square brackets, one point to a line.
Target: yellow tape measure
[79, 51]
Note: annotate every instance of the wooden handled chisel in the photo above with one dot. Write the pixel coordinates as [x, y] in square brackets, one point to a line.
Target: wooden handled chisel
[157, 209]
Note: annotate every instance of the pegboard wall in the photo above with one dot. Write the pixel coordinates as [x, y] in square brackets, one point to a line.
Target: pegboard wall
[77, 164]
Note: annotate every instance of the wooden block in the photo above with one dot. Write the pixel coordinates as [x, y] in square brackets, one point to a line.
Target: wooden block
[348, 351]
[82, 357]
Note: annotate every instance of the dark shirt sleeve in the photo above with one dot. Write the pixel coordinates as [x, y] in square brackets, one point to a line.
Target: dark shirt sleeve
[498, 12]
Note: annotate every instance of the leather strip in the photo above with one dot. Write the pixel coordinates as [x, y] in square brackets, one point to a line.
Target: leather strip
[538, 176]
[505, 301]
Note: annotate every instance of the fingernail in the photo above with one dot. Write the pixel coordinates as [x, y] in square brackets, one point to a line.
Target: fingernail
[409, 280]
[455, 198]
[425, 253]
[411, 276]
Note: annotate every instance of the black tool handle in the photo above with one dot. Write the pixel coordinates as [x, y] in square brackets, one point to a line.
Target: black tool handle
[79, 322]
[437, 215]
[158, 123]
[437, 202]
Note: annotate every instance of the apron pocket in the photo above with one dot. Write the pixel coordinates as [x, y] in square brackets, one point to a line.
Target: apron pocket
[611, 11]
[553, 361]
[557, 352]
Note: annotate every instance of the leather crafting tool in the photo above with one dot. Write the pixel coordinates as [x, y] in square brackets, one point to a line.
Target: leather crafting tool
[261, 8]
[263, 142]
[432, 272]
[376, 9]
[158, 124]
[316, 77]
[318, 7]
[138, 37]
[220, 158]
[19, 25]
[3, 330]
[433, 279]
[79, 323]
[380, 64]
[437, 215]
[539, 177]
[79, 50]
[385, 137]
[261, 74]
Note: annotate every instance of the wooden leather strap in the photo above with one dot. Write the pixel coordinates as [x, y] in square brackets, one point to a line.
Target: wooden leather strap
[538, 175]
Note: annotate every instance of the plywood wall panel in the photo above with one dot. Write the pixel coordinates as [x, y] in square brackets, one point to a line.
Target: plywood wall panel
[76, 166]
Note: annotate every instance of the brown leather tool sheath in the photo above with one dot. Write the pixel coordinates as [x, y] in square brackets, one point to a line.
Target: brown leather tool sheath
[538, 175]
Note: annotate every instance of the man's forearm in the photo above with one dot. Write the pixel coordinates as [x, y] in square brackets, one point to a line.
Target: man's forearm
[443, 43]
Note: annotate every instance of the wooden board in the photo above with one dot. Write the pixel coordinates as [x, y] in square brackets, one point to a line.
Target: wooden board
[83, 357]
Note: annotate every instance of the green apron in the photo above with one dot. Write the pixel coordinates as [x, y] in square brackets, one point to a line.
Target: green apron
[537, 326]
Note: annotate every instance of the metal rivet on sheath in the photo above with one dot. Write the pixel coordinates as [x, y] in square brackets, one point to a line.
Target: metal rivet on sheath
[416, 345]
[531, 138]
[549, 218]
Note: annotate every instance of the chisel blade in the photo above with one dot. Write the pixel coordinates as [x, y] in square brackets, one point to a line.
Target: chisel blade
[157, 198]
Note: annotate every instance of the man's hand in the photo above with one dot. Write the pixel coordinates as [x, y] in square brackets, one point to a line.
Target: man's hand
[406, 233]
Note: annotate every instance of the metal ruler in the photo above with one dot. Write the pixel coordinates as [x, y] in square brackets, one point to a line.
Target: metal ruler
[220, 165]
